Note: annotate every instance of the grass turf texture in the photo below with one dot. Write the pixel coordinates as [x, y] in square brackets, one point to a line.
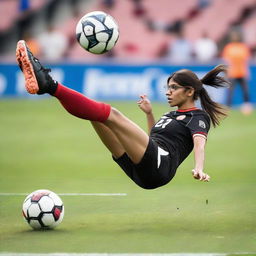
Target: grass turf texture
[44, 147]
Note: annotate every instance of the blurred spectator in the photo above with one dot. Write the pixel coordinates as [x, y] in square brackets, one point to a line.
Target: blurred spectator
[139, 9]
[53, 44]
[172, 27]
[180, 50]
[32, 43]
[237, 55]
[109, 4]
[205, 49]
[201, 4]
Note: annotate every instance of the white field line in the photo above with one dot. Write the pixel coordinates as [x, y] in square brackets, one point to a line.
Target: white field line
[123, 254]
[113, 254]
[69, 194]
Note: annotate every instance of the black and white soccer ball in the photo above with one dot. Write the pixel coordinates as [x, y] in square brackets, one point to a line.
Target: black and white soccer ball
[43, 209]
[97, 32]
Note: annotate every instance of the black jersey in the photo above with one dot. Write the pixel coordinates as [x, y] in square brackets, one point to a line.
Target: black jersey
[175, 130]
[171, 141]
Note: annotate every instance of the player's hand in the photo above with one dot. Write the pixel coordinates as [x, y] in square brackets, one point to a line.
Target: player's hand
[145, 104]
[200, 175]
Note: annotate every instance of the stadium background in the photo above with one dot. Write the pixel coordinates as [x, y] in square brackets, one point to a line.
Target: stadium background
[171, 219]
[142, 55]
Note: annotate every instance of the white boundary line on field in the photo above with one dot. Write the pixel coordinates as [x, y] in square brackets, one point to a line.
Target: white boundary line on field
[122, 254]
[69, 194]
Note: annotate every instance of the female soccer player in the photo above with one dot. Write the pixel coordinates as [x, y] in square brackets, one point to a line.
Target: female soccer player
[149, 160]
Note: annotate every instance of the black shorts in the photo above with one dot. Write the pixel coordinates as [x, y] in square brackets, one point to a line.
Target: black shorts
[156, 168]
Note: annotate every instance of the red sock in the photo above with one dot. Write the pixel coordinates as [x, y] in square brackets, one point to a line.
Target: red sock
[79, 105]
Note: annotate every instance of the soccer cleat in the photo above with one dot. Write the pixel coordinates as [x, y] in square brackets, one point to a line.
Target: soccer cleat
[37, 78]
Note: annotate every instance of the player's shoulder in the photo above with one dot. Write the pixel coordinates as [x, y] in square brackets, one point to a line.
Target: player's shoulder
[199, 111]
[201, 114]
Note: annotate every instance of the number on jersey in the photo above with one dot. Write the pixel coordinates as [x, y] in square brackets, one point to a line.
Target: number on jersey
[163, 122]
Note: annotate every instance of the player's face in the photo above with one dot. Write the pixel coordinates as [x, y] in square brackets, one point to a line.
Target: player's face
[178, 95]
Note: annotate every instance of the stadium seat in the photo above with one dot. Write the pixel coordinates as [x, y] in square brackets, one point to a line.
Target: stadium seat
[169, 11]
[9, 11]
[249, 30]
[209, 19]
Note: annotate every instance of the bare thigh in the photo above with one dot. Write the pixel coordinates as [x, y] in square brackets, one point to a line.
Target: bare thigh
[109, 139]
[133, 139]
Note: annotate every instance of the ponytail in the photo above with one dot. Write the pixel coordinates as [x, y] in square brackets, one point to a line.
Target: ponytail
[215, 110]
[212, 78]
[187, 78]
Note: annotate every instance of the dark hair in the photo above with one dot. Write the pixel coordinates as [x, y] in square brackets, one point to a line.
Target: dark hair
[187, 78]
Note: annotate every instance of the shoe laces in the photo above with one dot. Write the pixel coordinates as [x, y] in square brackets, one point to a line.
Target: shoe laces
[45, 70]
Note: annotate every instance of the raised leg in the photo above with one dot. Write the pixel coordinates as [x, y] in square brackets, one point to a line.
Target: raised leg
[122, 134]
[230, 92]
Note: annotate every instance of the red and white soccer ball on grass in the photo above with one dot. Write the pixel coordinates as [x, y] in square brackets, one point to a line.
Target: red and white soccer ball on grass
[43, 209]
[97, 32]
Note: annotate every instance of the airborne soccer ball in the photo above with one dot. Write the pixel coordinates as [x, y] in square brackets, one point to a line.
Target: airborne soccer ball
[43, 209]
[97, 32]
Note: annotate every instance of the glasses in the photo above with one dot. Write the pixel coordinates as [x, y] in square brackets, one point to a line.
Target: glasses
[173, 87]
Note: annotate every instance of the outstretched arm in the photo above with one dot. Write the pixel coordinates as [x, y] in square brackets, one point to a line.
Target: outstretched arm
[199, 148]
[145, 105]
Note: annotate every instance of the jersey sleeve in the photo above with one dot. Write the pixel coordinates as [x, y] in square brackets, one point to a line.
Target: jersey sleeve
[199, 125]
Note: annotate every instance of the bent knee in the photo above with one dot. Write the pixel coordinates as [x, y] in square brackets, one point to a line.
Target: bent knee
[115, 111]
[115, 114]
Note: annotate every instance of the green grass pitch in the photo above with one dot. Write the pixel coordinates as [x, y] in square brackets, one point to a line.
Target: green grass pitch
[41, 146]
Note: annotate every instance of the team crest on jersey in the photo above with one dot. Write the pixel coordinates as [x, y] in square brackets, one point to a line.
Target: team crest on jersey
[202, 124]
[180, 117]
